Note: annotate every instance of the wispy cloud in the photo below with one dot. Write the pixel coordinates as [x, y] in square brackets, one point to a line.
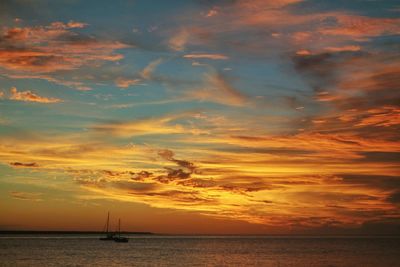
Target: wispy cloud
[147, 72]
[217, 89]
[29, 196]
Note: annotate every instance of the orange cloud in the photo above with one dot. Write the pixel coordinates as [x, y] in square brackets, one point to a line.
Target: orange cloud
[47, 49]
[359, 26]
[351, 48]
[283, 179]
[303, 52]
[385, 117]
[74, 24]
[212, 12]
[29, 96]
[125, 83]
[206, 56]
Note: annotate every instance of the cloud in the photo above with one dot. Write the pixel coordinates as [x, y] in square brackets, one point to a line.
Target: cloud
[166, 154]
[206, 56]
[385, 116]
[170, 156]
[178, 41]
[164, 125]
[69, 83]
[49, 52]
[150, 68]
[357, 87]
[125, 83]
[173, 173]
[212, 12]
[21, 164]
[223, 183]
[26, 196]
[28, 96]
[217, 89]
[305, 29]
[394, 197]
[142, 175]
[151, 126]
[360, 26]
[74, 24]
[332, 164]
[352, 48]
[303, 52]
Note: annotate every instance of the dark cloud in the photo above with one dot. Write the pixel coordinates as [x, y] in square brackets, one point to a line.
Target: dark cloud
[142, 175]
[26, 164]
[393, 157]
[360, 90]
[322, 70]
[175, 174]
[166, 154]
[186, 164]
[384, 182]
[394, 197]
[381, 227]
[172, 175]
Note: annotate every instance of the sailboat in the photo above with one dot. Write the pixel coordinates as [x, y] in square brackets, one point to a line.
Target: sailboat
[119, 238]
[109, 235]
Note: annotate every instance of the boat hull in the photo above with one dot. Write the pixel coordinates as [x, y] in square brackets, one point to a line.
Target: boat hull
[121, 240]
[106, 238]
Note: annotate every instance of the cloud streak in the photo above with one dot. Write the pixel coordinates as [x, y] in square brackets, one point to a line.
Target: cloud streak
[206, 56]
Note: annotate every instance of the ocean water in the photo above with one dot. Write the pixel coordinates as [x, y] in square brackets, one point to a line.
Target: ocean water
[200, 251]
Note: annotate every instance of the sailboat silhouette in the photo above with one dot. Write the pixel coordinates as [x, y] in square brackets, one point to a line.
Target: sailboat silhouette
[109, 235]
[119, 238]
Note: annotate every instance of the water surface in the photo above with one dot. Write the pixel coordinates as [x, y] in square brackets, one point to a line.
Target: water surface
[200, 251]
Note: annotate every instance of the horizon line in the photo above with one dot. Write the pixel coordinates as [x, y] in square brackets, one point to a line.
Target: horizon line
[3, 232]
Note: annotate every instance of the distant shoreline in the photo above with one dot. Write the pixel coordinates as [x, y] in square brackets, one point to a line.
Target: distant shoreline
[30, 232]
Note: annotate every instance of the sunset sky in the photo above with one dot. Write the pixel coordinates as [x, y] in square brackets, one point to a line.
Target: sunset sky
[250, 117]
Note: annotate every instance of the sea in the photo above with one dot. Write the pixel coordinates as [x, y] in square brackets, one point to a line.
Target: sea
[162, 250]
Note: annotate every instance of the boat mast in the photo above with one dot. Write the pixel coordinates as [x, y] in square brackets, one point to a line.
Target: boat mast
[119, 227]
[108, 219]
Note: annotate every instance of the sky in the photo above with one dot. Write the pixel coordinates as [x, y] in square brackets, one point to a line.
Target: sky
[201, 116]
